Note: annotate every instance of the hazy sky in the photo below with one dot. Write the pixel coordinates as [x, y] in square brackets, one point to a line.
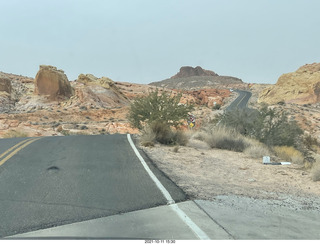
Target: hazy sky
[142, 41]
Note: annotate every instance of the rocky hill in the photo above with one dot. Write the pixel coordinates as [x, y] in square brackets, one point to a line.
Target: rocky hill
[192, 78]
[51, 105]
[299, 87]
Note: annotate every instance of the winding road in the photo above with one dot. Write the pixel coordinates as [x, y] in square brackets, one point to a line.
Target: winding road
[241, 101]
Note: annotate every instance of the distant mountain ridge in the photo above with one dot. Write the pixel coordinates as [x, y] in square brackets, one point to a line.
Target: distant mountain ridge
[189, 78]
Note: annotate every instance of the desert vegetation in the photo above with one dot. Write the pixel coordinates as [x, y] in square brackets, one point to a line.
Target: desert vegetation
[15, 133]
[158, 117]
[257, 133]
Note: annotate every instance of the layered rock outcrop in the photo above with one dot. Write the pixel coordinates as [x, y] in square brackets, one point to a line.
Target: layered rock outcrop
[90, 79]
[52, 82]
[299, 87]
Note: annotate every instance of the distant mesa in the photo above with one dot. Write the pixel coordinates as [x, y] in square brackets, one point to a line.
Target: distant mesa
[189, 78]
[299, 87]
[52, 82]
[188, 71]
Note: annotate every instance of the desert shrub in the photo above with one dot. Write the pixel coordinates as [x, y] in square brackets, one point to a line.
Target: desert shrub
[148, 137]
[256, 149]
[181, 138]
[289, 154]
[224, 138]
[270, 126]
[164, 134]
[14, 133]
[315, 172]
[164, 108]
[200, 135]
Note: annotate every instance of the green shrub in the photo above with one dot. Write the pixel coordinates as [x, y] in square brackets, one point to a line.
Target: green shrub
[269, 126]
[164, 108]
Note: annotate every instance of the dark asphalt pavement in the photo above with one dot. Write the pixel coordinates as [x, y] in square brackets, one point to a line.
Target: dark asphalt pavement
[241, 101]
[60, 180]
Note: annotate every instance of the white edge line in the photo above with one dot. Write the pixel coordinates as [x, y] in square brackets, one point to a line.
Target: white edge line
[183, 216]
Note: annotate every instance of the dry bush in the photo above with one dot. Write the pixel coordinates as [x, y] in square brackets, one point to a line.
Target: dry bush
[14, 133]
[256, 149]
[315, 172]
[148, 137]
[181, 138]
[289, 154]
[225, 138]
[164, 134]
[199, 135]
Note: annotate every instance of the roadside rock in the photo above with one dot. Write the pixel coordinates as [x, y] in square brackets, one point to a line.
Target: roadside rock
[52, 82]
[299, 87]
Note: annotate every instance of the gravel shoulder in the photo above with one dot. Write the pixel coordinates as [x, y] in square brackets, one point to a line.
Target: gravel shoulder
[204, 173]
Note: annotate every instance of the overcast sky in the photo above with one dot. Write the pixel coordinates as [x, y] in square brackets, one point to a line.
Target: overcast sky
[141, 41]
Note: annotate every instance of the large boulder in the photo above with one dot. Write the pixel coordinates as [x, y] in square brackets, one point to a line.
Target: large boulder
[52, 82]
[299, 87]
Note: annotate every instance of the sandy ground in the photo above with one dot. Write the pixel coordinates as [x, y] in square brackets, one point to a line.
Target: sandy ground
[205, 173]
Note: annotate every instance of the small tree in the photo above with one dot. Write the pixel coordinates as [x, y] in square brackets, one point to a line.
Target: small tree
[164, 108]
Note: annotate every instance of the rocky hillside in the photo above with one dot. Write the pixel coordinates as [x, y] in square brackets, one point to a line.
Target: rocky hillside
[194, 78]
[51, 105]
[299, 87]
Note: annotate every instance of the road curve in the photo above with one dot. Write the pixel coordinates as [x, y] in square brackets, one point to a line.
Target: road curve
[241, 101]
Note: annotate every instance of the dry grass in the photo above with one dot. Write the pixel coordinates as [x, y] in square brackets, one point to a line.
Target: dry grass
[225, 138]
[163, 134]
[289, 154]
[256, 149]
[315, 172]
[148, 137]
[14, 133]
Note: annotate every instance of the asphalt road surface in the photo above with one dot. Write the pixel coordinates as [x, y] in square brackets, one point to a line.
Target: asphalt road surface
[241, 101]
[52, 181]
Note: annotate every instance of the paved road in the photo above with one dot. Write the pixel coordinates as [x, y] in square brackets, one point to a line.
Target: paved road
[59, 180]
[241, 101]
